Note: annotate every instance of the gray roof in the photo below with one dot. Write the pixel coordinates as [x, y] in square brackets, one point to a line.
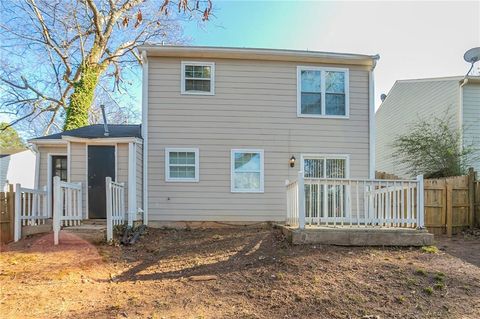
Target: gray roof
[97, 131]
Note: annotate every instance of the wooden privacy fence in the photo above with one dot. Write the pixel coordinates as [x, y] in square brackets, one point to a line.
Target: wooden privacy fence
[451, 204]
[7, 209]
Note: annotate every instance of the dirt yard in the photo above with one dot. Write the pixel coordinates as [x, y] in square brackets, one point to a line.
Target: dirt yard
[236, 273]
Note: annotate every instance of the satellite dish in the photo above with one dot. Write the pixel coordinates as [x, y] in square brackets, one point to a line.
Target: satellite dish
[472, 56]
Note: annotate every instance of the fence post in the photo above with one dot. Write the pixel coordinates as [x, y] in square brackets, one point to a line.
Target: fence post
[18, 209]
[471, 197]
[420, 203]
[449, 200]
[57, 209]
[108, 185]
[301, 201]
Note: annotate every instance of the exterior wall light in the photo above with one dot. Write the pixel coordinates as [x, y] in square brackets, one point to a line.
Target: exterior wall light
[292, 161]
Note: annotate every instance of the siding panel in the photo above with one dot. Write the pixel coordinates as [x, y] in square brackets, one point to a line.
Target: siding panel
[254, 106]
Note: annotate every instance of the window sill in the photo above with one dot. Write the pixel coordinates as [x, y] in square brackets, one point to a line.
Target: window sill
[197, 93]
[182, 180]
[247, 191]
[339, 117]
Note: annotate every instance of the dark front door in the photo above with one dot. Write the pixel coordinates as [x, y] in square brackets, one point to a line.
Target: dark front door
[101, 163]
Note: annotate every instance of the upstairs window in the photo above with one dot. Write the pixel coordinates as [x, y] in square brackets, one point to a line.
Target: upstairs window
[198, 78]
[322, 92]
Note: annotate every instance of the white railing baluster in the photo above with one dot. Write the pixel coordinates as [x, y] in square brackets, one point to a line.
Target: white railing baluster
[395, 203]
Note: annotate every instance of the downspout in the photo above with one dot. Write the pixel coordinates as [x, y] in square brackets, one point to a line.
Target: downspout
[37, 166]
[371, 118]
[145, 134]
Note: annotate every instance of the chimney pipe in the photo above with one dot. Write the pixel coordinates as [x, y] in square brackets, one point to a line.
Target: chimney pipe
[105, 125]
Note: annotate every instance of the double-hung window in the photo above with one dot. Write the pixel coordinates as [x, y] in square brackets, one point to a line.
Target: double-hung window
[322, 92]
[198, 78]
[181, 164]
[247, 171]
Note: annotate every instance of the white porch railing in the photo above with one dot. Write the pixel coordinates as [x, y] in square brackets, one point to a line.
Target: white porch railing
[67, 205]
[355, 202]
[115, 195]
[31, 208]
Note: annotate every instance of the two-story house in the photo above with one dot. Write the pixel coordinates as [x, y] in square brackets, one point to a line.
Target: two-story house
[456, 99]
[225, 128]
[237, 136]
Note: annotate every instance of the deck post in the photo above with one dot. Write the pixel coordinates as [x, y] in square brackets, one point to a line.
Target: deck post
[420, 203]
[18, 208]
[301, 201]
[57, 208]
[108, 185]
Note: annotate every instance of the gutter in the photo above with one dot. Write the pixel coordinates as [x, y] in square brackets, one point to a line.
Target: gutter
[145, 134]
[371, 118]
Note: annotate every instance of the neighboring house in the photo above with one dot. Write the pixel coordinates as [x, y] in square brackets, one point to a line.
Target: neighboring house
[17, 166]
[221, 125]
[87, 155]
[221, 130]
[409, 101]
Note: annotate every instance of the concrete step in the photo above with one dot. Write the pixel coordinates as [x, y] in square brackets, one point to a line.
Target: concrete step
[94, 232]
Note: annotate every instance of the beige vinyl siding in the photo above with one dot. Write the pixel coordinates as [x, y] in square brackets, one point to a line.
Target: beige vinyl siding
[43, 165]
[122, 168]
[471, 120]
[407, 103]
[254, 107]
[139, 181]
[78, 168]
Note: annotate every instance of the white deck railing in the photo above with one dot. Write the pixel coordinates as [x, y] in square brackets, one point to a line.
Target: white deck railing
[355, 202]
[115, 195]
[67, 205]
[31, 208]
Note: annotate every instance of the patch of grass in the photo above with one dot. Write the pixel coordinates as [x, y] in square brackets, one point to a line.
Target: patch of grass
[420, 272]
[400, 299]
[411, 282]
[439, 276]
[428, 290]
[439, 286]
[430, 249]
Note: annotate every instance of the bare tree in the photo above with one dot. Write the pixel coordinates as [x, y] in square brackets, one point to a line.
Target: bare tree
[58, 54]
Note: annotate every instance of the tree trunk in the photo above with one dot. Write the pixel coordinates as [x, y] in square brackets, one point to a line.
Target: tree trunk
[82, 97]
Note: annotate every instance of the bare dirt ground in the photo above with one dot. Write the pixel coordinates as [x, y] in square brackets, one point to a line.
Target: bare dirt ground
[256, 274]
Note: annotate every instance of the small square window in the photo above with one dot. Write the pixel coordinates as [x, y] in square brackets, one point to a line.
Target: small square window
[181, 165]
[198, 78]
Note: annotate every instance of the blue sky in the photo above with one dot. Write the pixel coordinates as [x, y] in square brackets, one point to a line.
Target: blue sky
[414, 39]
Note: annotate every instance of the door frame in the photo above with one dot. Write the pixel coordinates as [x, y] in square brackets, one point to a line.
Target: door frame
[86, 168]
[50, 179]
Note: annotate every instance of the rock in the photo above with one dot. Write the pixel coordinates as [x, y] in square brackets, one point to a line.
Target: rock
[203, 278]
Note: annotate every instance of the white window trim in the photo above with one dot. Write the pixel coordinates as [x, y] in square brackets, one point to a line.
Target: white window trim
[212, 78]
[346, 157]
[323, 70]
[232, 171]
[167, 165]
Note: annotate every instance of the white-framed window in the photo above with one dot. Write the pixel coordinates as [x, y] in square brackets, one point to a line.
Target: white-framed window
[247, 171]
[322, 92]
[198, 78]
[182, 164]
